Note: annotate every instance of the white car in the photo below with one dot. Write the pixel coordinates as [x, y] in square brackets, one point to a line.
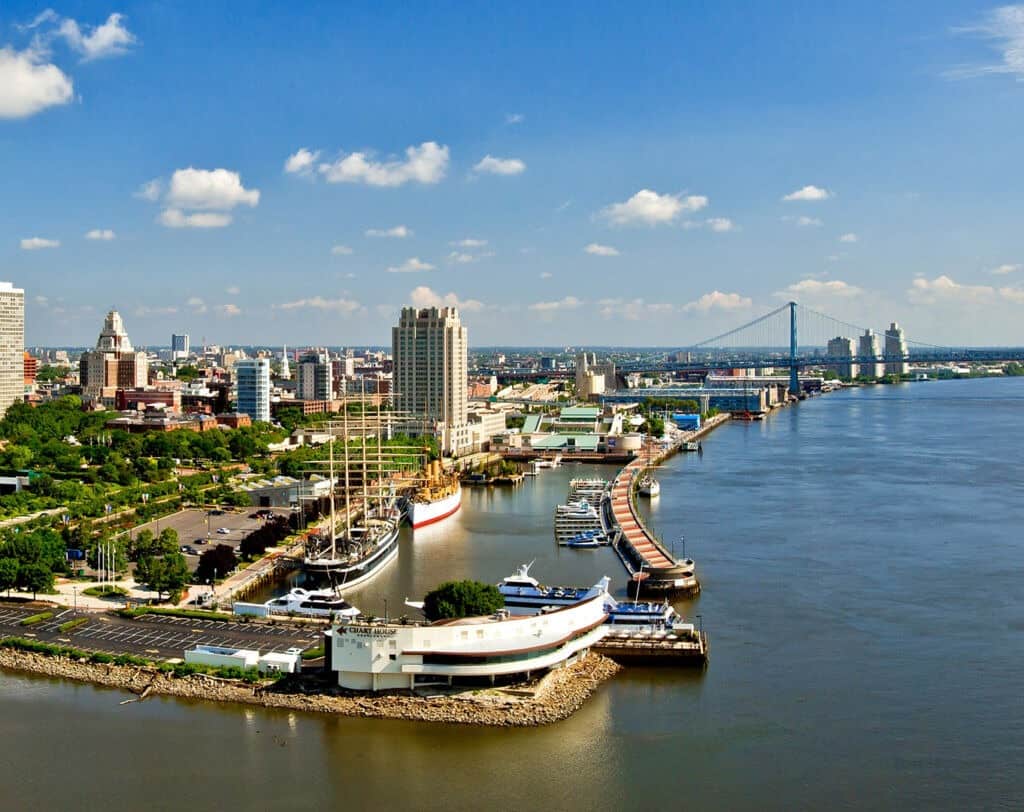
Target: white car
[223, 530]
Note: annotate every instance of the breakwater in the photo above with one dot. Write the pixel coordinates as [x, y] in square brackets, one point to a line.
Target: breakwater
[553, 698]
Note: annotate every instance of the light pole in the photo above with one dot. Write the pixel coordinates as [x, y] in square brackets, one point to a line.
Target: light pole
[682, 540]
[639, 576]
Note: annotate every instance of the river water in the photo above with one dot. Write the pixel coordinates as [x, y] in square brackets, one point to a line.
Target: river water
[862, 557]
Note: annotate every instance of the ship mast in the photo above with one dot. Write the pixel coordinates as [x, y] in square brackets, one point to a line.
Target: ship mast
[348, 507]
[366, 471]
[330, 451]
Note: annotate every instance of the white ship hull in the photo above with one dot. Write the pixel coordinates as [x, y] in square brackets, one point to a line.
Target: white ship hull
[423, 513]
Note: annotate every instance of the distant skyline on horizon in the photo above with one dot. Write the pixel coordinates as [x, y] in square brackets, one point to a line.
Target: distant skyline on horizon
[655, 175]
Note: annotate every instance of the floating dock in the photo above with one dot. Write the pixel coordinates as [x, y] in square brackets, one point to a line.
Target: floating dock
[657, 648]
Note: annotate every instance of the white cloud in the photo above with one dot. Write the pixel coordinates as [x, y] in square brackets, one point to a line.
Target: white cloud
[340, 250]
[546, 274]
[720, 224]
[848, 237]
[599, 250]
[716, 300]
[397, 232]
[650, 208]
[35, 243]
[340, 305]
[803, 221]
[97, 41]
[411, 265]
[150, 190]
[425, 297]
[1003, 270]
[228, 311]
[816, 289]
[144, 310]
[944, 289]
[28, 84]
[500, 166]
[426, 163]
[460, 258]
[1004, 27]
[100, 234]
[632, 309]
[469, 242]
[218, 189]
[568, 303]
[234, 290]
[1015, 295]
[301, 163]
[514, 118]
[808, 193]
[198, 305]
[176, 218]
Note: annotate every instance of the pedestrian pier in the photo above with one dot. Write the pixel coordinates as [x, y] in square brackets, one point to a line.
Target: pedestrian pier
[688, 647]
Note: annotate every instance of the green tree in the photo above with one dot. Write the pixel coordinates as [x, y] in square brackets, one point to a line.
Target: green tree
[462, 599]
[35, 578]
[8, 574]
[168, 541]
[216, 563]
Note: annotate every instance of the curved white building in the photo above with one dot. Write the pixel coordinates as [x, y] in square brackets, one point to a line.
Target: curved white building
[380, 657]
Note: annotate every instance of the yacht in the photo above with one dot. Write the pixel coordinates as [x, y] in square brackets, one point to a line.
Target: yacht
[649, 486]
[312, 603]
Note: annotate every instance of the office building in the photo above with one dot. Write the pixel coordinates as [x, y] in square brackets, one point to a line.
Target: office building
[315, 380]
[896, 351]
[869, 347]
[252, 382]
[430, 348]
[114, 364]
[842, 347]
[12, 346]
[179, 347]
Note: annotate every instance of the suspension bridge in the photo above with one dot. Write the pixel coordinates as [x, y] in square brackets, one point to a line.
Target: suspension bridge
[794, 337]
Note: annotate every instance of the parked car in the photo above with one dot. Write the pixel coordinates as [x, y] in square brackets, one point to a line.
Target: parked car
[216, 512]
[223, 530]
[199, 541]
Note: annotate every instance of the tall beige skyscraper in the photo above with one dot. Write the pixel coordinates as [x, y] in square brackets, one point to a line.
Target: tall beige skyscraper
[114, 364]
[430, 349]
[12, 345]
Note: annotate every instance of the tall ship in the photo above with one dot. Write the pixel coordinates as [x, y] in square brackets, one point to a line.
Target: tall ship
[439, 497]
[367, 539]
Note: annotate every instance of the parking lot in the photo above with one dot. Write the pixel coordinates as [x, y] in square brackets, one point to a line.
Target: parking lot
[198, 529]
[155, 635]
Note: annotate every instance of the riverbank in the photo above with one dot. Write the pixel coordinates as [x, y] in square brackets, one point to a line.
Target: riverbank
[553, 698]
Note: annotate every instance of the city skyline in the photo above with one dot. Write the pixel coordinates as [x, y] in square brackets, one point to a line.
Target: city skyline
[527, 178]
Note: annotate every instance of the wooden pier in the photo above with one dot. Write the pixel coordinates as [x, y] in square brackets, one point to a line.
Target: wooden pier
[657, 648]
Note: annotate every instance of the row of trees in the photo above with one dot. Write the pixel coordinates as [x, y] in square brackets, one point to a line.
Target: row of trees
[29, 559]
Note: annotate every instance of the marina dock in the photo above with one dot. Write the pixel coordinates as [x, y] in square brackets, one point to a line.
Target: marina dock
[658, 648]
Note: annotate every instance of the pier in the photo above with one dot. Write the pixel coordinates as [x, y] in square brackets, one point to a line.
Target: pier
[649, 564]
[687, 648]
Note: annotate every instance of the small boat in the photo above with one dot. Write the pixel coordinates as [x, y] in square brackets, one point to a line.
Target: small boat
[649, 486]
[586, 539]
[308, 603]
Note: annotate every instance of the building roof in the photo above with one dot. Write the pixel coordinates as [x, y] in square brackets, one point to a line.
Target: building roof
[580, 413]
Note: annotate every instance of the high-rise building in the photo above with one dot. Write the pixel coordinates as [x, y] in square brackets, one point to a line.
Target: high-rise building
[286, 367]
[315, 380]
[842, 347]
[896, 348]
[179, 346]
[12, 345]
[252, 381]
[870, 347]
[430, 349]
[114, 364]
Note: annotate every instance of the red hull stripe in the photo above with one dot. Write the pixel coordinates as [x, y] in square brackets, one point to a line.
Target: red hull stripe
[436, 519]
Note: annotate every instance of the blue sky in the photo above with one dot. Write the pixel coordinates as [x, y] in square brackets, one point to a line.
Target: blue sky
[594, 173]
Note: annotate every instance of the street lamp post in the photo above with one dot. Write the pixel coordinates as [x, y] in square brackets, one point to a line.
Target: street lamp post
[639, 576]
[682, 540]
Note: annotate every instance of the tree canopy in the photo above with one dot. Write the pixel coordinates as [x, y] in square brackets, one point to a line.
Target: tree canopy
[454, 599]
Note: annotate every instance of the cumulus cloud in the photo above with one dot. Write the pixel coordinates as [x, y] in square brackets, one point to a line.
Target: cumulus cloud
[426, 164]
[198, 305]
[218, 189]
[808, 193]
[100, 234]
[514, 118]
[720, 224]
[716, 300]
[397, 232]
[176, 218]
[568, 303]
[301, 162]
[944, 289]
[469, 242]
[145, 310]
[599, 250]
[1015, 295]
[803, 221]
[340, 250]
[632, 309]
[150, 190]
[111, 38]
[228, 311]
[848, 237]
[816, 288]
[465, 258]
[36, 243]
[650, 208]
[29, 84]
[1003, 27]
[340, 305]
[546, 274]
[234, 290]
[489, 165]
[425, 297]
[1003, 270]
[411, 265]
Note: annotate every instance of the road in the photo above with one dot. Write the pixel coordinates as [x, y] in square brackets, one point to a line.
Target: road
[157, 636]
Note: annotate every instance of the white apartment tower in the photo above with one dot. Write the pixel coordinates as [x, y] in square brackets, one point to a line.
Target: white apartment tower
[252, 381]
[896, 348]
[430, 349]
[870, 347]
[12, 345]
[842, 347]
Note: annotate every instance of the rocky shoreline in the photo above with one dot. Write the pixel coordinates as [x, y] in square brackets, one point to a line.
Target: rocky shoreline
[554, 698]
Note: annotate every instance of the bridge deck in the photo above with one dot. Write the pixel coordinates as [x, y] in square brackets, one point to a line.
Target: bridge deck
[633, 530]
